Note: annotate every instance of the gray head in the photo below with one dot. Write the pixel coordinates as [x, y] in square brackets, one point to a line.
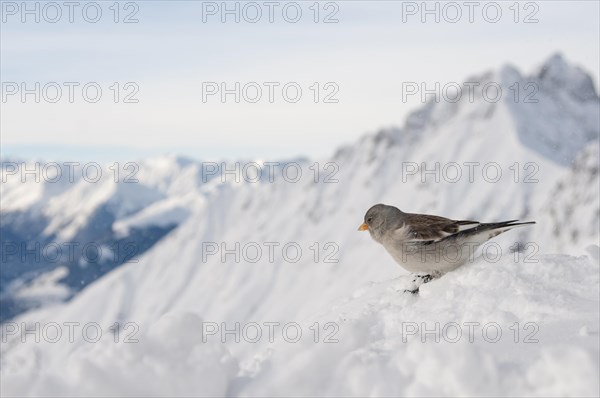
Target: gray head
[381, 218]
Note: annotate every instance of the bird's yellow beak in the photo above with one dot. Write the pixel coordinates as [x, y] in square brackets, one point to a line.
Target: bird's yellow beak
[363, 227]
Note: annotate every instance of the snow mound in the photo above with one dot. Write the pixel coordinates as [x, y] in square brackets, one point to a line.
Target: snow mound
[524, 327]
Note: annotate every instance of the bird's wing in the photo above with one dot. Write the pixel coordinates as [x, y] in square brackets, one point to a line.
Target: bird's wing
[426, 228]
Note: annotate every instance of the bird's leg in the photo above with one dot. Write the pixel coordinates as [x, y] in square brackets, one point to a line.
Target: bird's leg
[423, 278]
[419, 280]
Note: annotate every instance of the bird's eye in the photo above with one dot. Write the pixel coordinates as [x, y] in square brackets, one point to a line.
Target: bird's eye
[369, 219]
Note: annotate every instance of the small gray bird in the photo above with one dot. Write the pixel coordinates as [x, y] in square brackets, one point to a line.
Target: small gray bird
[427, 244]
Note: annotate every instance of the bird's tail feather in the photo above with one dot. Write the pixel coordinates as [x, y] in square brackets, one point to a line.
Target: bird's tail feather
[496, 228]
[480, 233]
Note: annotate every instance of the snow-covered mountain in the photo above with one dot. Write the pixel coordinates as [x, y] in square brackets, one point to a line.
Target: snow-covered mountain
[470, 159]
[51, 221]
[87, 223]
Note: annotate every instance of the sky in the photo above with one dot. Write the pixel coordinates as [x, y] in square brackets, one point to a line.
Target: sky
[327, 72]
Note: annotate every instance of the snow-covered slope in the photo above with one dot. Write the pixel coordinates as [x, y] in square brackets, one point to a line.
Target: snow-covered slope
[572, 212]
[488, 162]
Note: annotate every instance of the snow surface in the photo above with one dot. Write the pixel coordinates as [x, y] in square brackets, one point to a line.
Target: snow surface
[378, 351]
[173, 291]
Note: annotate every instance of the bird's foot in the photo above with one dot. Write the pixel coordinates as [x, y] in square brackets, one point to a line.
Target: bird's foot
[422, 279]
[419, 280]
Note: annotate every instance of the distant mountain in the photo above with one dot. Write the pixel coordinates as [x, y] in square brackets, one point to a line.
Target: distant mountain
[71, 228]
[565, 116]
[58, 224]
